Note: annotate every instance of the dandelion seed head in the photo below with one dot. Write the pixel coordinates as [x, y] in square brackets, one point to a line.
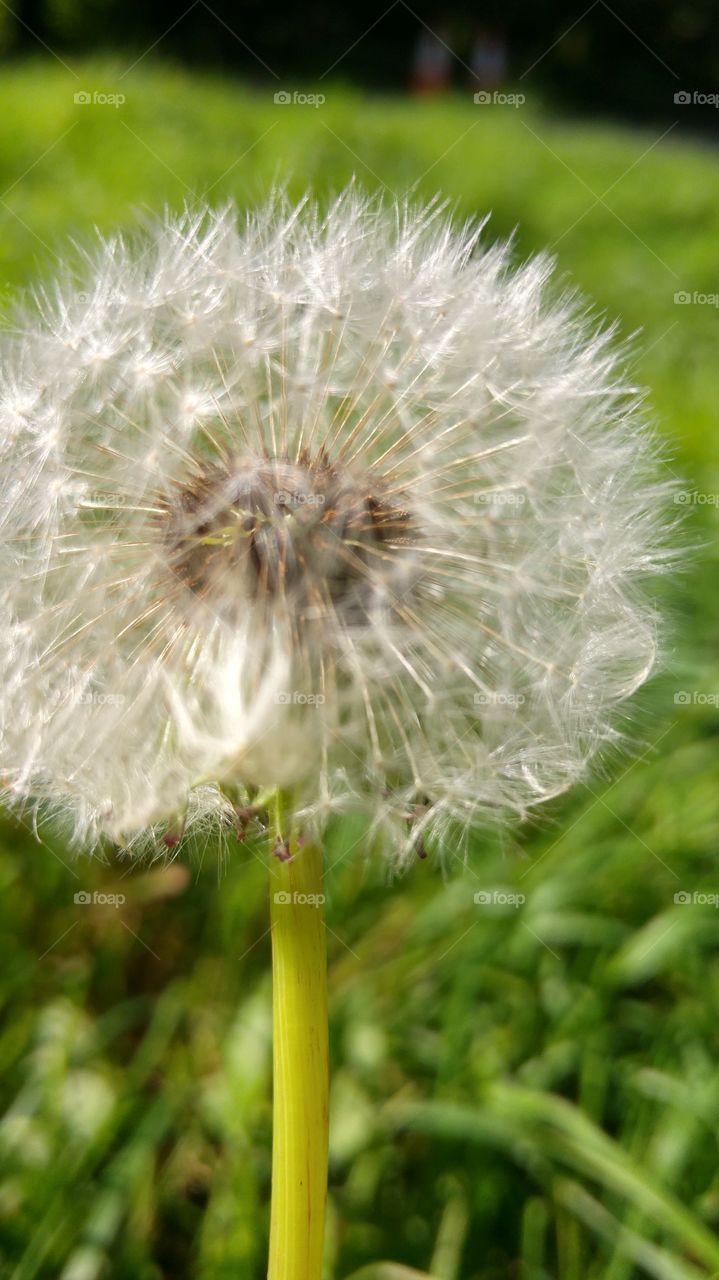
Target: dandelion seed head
[342, 502]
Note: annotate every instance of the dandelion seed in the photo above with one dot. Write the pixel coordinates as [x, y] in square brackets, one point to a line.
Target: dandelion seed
[342, 503]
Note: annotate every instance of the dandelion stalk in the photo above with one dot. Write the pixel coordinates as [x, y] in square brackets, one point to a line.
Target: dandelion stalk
[336, 502]
[300, 1059]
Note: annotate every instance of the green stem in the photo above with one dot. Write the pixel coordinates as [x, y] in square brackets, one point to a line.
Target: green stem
[300, 1061]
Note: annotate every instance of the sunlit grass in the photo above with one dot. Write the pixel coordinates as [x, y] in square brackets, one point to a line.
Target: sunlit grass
[524, 1090]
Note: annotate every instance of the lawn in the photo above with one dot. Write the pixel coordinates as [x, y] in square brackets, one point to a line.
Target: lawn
[522, 1091]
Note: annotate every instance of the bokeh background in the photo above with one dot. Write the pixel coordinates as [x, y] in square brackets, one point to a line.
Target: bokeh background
[521, 1091]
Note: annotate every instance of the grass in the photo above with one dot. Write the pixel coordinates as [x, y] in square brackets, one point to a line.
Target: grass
[526, 1092]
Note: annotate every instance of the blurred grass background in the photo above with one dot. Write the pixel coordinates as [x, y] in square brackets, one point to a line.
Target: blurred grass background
[519, 1093]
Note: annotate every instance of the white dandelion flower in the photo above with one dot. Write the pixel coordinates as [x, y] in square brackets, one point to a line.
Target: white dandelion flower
[343, 504]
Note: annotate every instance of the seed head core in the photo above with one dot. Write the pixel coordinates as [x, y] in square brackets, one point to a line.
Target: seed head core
[302, 532]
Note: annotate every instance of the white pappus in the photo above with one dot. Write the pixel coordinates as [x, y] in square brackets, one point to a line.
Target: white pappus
[340, 502]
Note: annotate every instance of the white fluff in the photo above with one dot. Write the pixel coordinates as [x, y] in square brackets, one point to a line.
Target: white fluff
[461, 657]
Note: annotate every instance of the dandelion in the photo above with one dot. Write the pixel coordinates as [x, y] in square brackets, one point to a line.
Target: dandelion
[316, 512]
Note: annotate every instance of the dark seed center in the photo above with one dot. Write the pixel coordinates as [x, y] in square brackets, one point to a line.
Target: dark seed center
[305, 532]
